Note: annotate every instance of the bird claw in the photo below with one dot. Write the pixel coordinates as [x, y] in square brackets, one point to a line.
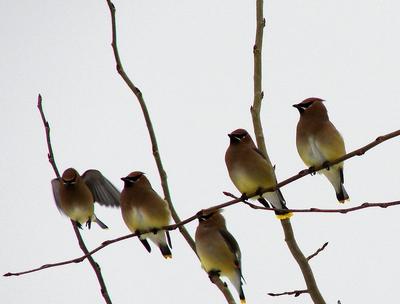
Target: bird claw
[244, 197]
[325, 164]
[79, 225]
[214, 273]
[312, 170]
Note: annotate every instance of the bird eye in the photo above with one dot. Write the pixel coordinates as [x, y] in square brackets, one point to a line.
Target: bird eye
[306, 104]
[69, 182]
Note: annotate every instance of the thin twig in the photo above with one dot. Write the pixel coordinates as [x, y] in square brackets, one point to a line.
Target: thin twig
[50, 155]
[186, 221]
[317, 252]
[341, 211]
[156, 153]
[295, 293]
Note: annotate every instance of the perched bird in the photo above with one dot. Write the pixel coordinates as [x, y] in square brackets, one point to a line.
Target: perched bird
[251, 172]
[319, 142]
[218, 250]
[144, 210]
[75, 195]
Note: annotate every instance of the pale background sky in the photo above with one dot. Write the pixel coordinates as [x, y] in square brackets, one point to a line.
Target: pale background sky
[193, 62]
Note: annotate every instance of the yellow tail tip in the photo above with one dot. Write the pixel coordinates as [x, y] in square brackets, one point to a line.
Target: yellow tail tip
[284, 216]
[167, 256]
[243, 301]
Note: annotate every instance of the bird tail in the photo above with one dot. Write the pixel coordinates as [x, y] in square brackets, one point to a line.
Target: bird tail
[342, 195]
[236, 280]
[241, 296]
[145, 243]
[100, 223]
[336, 178]
[278, 202]
[166, 252]
[160, 240]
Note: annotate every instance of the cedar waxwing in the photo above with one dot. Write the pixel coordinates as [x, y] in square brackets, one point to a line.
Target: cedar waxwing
[251, 172]
[143, 209]
[75, 195]
[318, 142]
[218, 250]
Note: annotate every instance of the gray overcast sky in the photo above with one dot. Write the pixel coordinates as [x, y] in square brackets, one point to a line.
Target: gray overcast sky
[193, 62]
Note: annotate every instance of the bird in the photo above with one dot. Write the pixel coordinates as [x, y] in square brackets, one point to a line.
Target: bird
[251, 172]
[75, 195]
[144, 210]
[218, 250]
[319, 142]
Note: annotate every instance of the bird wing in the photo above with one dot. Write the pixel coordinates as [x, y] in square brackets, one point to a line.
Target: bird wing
[330, 143]
[258, 151]
[55, 184]
[232, 245]
[104, 192]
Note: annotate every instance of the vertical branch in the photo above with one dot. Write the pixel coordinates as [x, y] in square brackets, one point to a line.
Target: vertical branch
[257, 77]
[156, 153]
[163, 175]
[50, 156]
[255, 112]
[303, 263]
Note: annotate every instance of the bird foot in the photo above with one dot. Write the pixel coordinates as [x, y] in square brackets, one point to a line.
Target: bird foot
[312, 170]
[213, 273]
[325, 164]
[89, 223]
[79, 225]
[244, 197]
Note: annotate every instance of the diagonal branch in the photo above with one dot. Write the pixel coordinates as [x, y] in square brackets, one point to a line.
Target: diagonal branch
[156, 153]
[50, 155]
[192, 218]
[341, 211]
[317, 252]
[235, 200]
[294, 293]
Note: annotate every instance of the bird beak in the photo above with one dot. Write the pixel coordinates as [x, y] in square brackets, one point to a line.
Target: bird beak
[124, 179]
[299, 107]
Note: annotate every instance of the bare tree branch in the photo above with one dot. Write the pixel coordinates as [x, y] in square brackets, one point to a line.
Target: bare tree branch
[295, 293]
[341, 211]
[357, 152]
[156, 153]
[235, 200]
[190, 219]
[257, 78]
[50, 155]
[255, 113]
[155, 149]
[317, 252]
